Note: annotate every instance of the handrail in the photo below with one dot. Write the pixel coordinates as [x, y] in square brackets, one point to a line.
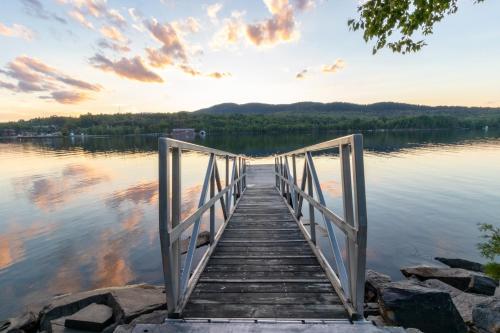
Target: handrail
[348, 281]
[179, 283]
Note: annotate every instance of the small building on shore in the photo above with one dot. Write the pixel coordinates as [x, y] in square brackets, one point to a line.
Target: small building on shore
[8, 132]
[183, 133]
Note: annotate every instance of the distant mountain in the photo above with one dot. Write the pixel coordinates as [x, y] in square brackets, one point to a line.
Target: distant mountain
[339, 108]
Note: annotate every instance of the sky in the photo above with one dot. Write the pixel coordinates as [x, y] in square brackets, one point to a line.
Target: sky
[68, 57]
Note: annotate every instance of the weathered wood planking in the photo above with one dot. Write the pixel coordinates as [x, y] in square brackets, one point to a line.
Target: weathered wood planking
[262, 266]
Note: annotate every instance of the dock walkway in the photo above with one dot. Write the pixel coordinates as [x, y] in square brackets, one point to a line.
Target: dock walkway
[263, 267]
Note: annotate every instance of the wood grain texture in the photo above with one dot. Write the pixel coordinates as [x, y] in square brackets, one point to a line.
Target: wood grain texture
[263, 267]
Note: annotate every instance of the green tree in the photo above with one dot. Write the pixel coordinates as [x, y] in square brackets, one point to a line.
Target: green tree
[490, 248]
[395, 23]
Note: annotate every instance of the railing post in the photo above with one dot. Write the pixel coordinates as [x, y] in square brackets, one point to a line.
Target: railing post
[360, 219]
[312, 221]
[294, 167]
[282, 172]
[212, 208]
[170, 249]
[164, 228]
[228, 205]
[345, 171]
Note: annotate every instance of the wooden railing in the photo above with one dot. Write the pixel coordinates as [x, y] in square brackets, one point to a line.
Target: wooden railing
[180, 279]
[348, 280]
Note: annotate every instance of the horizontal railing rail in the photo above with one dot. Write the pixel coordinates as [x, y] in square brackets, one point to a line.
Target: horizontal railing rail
[348, 280]
[179, 282]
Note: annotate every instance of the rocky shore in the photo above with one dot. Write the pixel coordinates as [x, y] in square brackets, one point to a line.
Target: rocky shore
[458, 298]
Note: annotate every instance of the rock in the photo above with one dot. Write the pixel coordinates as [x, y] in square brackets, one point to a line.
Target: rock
[377, 320]
[464, 302]
[138, 300]
[155, 317]
[95, 317]
[127, 303]
[203, 239]
[456, 277]
[126, 328]
[461, 263]
[486, 315]
[371, 309]
[411, 304]
[27, 322]
[482, 285]
[374, 281]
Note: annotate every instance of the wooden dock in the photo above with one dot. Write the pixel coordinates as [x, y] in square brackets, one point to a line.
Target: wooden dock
[263, 267]
[264, 264]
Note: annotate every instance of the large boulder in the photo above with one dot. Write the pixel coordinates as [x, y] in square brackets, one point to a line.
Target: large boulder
[95, 317]
[459, 278]
[464, 302]
[461, 263]
[126, 303]
[486, 315]
[374, 281]
[27, 322]
[412, 304]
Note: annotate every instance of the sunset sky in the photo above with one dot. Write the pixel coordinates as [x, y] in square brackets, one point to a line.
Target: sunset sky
[69, 57]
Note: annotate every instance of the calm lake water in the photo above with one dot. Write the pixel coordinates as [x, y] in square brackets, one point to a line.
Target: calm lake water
[82, 213]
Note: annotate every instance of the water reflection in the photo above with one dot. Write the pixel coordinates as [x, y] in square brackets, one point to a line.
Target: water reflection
[84, 214]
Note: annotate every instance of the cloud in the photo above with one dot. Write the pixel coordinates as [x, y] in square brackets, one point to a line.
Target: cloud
[219, 75]
[304, 4]
[213, 10]
[80, 18]
[69, 97]
[105, 44]
[133, 68]
[336, 66]
[301, 74]
[189, 70]
[83, 10]
[113, 33]
[36, 9]
[173, 48]
[231, 31]
[33, 75]
[281, 27]
[16, 30]
[187, 26]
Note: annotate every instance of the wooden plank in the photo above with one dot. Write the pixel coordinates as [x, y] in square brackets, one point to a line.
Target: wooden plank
[268, 275]
[263, 268]
[261, 261]
[270, 287]
[231, 310]
[264, 298]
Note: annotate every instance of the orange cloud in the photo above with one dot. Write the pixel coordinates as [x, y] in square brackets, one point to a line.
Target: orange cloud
[173, 48]
[133, 68]
[69, 97]
[279, 28]
[190, 70]
[231, 31]
[16, 30]
[332, 188]
[336, 66]
[219, 75]
[113, 33]
[80, 18]
[33, 75]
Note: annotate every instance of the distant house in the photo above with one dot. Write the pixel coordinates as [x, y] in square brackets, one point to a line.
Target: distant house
[183, 133]
[8, 132]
